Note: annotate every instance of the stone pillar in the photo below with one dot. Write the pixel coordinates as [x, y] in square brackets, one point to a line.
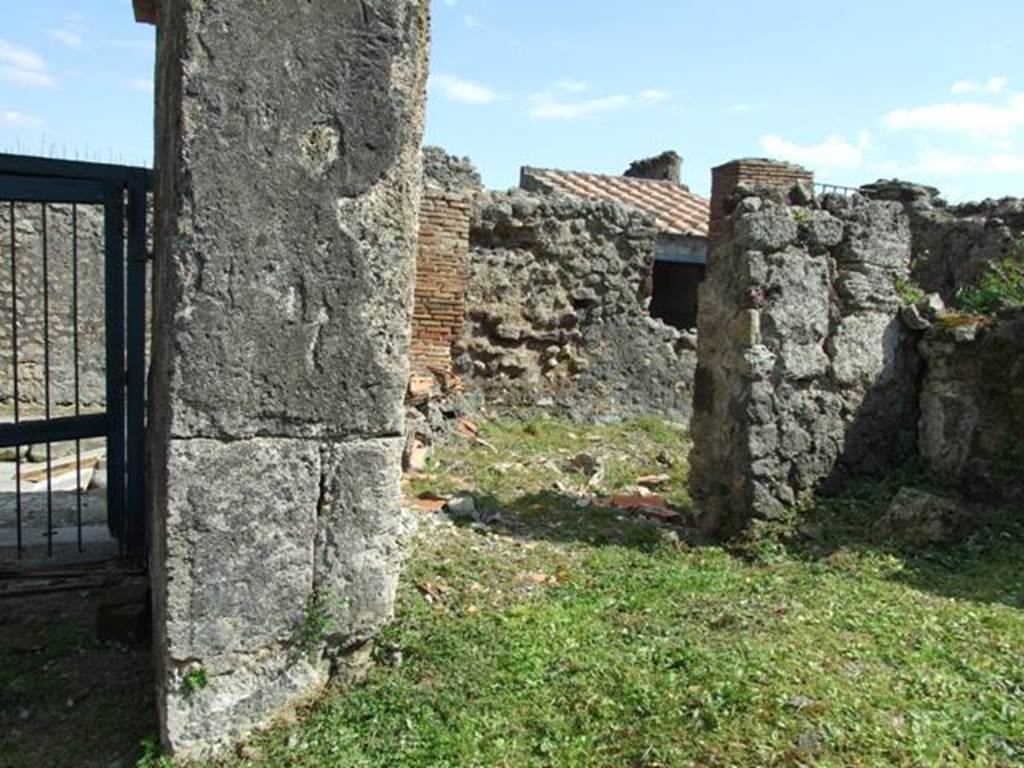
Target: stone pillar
[441, 268]
[805, 374]
[288, 183]
[753, 172]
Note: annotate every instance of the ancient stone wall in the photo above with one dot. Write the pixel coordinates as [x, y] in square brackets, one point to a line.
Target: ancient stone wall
[557, 311]
[805, 373]
[288, 186]
[972, 406]
[450, 173]
[952, 245]
[61, 246]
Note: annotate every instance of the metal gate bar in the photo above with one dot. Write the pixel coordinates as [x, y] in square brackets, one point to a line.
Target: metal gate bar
[39, 181]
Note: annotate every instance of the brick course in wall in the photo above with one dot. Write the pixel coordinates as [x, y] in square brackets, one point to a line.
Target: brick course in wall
[753, 172]
[440, 301]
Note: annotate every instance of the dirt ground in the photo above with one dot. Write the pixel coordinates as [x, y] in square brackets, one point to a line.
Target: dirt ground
[66, 698]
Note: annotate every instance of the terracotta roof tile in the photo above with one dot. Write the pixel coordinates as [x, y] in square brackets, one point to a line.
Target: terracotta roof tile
[676, 210]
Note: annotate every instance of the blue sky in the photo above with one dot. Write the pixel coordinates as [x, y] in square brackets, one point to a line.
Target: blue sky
[931, 91]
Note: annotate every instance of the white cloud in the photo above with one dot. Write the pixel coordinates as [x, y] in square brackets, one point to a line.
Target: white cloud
[462, 91]
[653, 95]
[472, 21]
[450, 3]
[544, 106]
[744, 108]
[994, 85]
[17, 56]
[1006, 163]
[938, 162]
[833, 152]
[967, 118]
[71, 33]
[20, 66]
[551, 104]
[570, 85]
[19, 119]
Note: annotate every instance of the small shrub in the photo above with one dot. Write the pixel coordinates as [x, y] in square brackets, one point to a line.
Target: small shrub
[1001, 287]
[908, 291]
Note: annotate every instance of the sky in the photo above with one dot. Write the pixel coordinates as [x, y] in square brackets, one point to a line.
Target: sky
[860, 90]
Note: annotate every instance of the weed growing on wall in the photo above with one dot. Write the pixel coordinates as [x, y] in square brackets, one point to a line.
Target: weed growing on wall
[909, 292]
[195, 680]
[316, 622]
[1000, 288]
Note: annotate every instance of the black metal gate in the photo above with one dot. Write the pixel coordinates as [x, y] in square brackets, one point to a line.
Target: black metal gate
[73, 348]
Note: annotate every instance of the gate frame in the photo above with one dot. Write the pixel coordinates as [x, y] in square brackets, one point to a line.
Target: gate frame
[122, 191]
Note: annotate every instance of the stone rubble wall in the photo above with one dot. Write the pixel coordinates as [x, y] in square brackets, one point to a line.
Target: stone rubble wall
[805, 373]
[288, 187]
[449, 173]
[972, 406]
[28, 243]
[557, 311]
[952, 245]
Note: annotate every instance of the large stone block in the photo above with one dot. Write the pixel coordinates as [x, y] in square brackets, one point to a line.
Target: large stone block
[241, 519]
[293, 248]
[359, 537]
[208, 707]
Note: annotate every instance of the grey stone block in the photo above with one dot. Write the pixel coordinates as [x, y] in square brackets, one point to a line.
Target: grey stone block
[238, 695]
[360, 533]
[241, 519]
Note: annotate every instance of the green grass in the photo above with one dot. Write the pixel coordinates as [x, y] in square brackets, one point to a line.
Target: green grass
[586, 637]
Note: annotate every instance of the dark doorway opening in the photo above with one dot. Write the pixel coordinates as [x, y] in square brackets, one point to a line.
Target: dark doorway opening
[674, 293]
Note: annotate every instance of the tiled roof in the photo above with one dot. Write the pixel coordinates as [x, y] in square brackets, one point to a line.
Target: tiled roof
[676, 210]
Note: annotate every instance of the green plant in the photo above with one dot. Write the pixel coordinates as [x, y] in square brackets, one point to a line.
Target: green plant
[153, 755]
[195, 680]
[908, 291]
[1000, 287]
[316, 622]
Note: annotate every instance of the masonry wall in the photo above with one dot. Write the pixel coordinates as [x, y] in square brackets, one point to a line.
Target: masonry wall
[288, 185]
[441, 271]
[952, 245]
[60, 248]
[972, 406]
[557, 315]
[805, 373]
